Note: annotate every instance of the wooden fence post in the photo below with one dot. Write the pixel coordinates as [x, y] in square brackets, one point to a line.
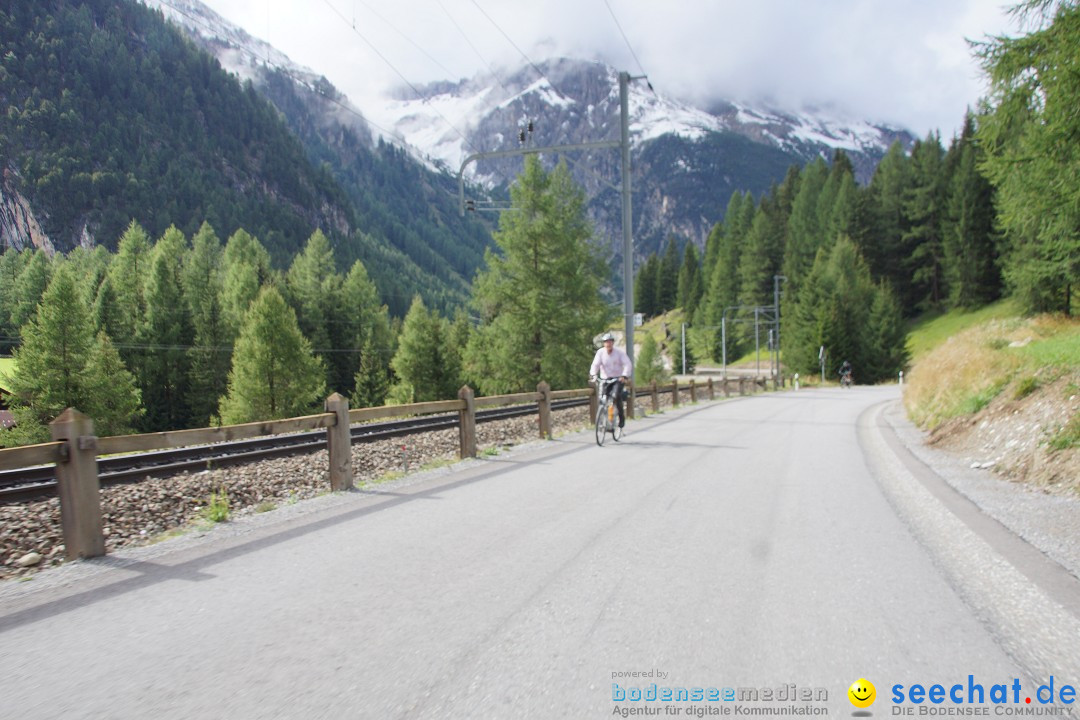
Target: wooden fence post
[467, 423]
[655, 397]
[80, 491]
[630, 398]
[339, 444]
[594, 403]
[712, 390]
[693, 390]
[742, 385]
[675, 393]
[545, 410]
[727, 388]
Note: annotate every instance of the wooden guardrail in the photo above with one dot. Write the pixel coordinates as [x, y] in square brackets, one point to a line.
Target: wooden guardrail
[75, 448]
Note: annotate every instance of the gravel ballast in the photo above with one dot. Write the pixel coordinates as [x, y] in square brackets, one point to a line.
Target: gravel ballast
[134, 514]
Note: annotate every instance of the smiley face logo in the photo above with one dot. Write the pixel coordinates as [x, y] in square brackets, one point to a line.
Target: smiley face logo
[862, 693]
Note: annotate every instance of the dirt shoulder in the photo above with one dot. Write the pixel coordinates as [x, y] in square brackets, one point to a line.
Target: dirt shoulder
[1013, 436]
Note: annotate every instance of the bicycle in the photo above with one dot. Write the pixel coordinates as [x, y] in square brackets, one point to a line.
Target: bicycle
[607, 417]
[845, 380]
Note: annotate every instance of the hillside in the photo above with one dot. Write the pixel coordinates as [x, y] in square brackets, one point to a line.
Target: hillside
[115, 115]
[112, 115]
[412, 236]
[1002, 390]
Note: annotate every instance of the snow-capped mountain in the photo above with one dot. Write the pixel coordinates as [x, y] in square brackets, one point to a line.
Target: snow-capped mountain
[687, 161]
[453, 120]
[249, 58]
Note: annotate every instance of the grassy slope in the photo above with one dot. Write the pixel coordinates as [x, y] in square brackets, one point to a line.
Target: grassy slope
[963, 360]
[7, 367]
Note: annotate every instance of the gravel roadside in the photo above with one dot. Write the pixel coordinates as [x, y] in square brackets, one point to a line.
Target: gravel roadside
[1048, 521]
[158, 508]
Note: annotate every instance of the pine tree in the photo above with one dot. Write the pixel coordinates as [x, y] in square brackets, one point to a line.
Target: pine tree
[421, 360]
[365, 327]
[690, 285]
[211, 355]
[274, 373]
[61, 364]
[165, 338]
[886, 336]
[313, 290]
[667, 284]
[247, 269]
[805, 232]
[106, 311]
[539, 295]
[12, 263]
[886, 253]
[924, 208]
[126, 274]
[723, 288]
[645, 286]
[1029, 132]
[760, 261]
[970, 242]
[649, 365]
[30, 286]
[835, 308]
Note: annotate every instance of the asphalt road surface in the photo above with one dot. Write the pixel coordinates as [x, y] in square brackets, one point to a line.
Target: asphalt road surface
[781, 543]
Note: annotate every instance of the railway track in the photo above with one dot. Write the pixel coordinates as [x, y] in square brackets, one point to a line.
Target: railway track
[35, 482]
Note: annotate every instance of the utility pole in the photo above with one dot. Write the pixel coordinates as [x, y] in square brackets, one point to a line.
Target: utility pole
[778, 381]
[623, 143]
[627, 215]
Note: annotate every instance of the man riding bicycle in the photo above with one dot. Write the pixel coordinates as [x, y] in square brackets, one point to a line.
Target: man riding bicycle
[612, 362]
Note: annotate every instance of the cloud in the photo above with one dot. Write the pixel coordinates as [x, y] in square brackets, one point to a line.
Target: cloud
[903, 63]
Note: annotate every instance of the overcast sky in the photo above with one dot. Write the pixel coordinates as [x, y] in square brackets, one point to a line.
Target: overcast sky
[904, 62]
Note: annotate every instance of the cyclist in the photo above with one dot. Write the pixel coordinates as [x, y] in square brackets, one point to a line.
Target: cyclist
[612, 362]
[845, 372]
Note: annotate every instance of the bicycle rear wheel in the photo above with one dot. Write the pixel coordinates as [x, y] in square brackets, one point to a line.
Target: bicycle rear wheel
[601, 424]
[616, 431]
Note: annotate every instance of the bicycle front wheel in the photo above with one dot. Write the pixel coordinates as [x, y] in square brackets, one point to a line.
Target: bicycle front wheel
[601, 425]
[616, 431]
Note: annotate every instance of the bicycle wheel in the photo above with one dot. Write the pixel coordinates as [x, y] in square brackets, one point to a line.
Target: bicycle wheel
[616, 431]
[601, 424]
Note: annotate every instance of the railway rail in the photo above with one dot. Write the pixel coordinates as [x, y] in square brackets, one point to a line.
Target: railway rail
[31, 483]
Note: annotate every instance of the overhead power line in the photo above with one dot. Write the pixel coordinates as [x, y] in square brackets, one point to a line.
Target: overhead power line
[474, 49]
[520, 51]
[400, 75]
[626, 39]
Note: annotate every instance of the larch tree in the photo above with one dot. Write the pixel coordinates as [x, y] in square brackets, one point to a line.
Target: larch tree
[274, 372]
[1029, 129]
[62, 364]
[538, 295]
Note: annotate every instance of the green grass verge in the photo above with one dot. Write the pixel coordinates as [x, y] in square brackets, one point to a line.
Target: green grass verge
[930, 331]
[1059, 350]
[7, 367]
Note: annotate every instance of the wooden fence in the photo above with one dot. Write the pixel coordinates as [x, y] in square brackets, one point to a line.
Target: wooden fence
[75, 448]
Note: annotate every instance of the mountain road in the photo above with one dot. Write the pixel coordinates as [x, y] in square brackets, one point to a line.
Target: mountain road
[781, 546]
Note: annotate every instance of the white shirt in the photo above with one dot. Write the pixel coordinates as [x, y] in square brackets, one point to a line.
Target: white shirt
[612, 364]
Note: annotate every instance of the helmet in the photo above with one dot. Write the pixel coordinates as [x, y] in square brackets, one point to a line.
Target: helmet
[607, 336]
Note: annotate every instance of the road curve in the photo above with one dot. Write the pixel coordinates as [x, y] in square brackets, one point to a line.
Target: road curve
[764, 542]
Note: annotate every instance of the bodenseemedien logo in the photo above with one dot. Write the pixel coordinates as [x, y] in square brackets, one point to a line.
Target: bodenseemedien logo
[862, 693]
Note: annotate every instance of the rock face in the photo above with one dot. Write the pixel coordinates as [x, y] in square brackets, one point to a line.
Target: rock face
[19, 229]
